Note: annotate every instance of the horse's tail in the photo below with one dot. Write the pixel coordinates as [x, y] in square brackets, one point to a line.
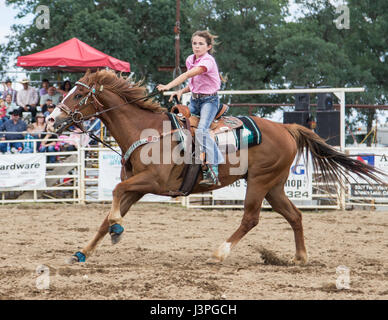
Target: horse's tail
[332, 164]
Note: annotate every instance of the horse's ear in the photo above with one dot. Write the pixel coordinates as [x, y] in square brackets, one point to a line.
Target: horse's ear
[87, 73]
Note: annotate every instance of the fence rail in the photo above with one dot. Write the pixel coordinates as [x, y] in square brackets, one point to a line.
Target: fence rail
[74, 178]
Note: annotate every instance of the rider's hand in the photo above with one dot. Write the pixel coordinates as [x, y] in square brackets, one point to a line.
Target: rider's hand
[178, 94]
[162, 87]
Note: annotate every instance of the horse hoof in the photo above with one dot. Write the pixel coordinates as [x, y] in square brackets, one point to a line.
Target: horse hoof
[77, 257]
[299, 261]
[116, 238]
[213, 260]
[116, 233]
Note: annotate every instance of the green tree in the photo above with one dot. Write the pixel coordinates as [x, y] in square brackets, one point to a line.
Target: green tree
[319, 53]
[248, 32]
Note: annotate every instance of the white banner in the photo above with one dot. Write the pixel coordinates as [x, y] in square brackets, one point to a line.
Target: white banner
[108, 174]
[299, 185]
[361, 188]
[22, 171]
[234, 191]
[109, 177]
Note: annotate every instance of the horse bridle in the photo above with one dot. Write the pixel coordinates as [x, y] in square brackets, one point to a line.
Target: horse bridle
[76, 117]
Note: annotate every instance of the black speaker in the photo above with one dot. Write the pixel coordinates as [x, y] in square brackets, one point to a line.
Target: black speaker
[300, 117]
[328, 126]
[325, 101]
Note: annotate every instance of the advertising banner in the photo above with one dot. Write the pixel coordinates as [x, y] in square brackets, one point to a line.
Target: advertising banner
[109, 177]
[360, 188]
[298, 185]
[22, 171]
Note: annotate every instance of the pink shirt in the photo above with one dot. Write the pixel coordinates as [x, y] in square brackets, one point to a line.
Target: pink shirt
[207, 82]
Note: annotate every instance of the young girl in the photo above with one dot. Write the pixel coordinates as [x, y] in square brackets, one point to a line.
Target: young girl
[204, 82]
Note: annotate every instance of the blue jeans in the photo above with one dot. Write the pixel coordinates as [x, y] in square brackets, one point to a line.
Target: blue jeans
[50, 159]
[3, 145]
[206, 108]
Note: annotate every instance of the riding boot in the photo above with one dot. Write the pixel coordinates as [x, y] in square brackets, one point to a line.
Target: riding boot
[210, 177]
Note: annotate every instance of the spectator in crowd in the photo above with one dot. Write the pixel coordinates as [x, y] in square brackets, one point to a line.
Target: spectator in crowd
[44, 89]
[8, 90]
[11, 106]
[27, 99]
[28, 145]
[49, 146]
[94, 125]
[65, 88]
[39, 127]
[52, 94]
[12, 129]
[71, 142]
[3, 111]
[50, 109]
[49, 102]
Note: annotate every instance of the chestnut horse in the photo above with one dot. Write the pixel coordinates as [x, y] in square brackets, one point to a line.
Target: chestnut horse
[121, 108]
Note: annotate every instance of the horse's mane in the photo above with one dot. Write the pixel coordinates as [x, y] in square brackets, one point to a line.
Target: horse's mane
[122, 87]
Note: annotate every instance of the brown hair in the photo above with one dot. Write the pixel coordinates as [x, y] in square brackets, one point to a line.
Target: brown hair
[210, 39]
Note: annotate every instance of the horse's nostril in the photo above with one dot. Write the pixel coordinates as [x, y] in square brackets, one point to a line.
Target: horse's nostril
[50, 119]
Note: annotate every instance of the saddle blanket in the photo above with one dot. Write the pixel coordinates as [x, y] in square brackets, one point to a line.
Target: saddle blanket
[229, 141]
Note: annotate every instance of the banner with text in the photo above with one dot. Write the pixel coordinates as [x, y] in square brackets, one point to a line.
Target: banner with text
[299, 185]
[109, 177]
[360, 188]
[22, 171]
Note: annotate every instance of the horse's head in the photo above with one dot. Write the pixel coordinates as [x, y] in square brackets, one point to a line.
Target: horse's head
[78, 105]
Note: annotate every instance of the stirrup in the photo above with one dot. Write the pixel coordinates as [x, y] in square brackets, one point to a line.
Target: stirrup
[209, 177]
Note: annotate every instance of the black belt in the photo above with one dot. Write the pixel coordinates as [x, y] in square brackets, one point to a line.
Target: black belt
[202, 95]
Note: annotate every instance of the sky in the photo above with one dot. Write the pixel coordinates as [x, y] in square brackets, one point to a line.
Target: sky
[7, 19]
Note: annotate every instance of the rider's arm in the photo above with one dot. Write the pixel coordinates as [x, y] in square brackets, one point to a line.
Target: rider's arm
[183, 77]
[185, 90]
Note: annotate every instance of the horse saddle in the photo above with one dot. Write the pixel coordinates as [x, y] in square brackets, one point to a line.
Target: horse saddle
[221, 122]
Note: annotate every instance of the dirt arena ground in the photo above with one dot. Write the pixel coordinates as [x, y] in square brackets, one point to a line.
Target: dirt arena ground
[165, 247]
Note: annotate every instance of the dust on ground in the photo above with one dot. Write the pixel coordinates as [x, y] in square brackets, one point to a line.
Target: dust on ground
[164, 252]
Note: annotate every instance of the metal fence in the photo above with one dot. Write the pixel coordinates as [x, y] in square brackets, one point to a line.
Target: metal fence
[74, 178]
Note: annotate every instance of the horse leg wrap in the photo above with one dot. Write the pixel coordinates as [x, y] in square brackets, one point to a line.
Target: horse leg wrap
[116, 229]
[80, 256]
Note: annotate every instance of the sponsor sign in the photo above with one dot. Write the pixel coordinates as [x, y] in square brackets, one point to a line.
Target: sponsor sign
[109, 177]
[22, 171]
[298, 185]
[360, 188]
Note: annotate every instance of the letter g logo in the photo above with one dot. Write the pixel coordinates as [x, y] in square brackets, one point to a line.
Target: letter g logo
[298, 169]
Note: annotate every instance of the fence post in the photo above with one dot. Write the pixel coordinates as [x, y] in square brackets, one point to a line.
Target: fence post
[81, 175]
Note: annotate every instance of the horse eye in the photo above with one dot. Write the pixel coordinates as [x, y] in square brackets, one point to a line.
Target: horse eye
[78, 96]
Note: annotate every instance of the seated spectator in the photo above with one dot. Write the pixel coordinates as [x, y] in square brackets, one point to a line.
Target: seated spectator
[12, 129]
[94, 125]
[39, 127]
[52, 94]
[49, 102]
[50, 109]
[73, 141]
[28, 145]
[11, 106]
[8, 90]
[27, 99]
[3, 111]
[49, 146]
[44, 89]
[65, 88]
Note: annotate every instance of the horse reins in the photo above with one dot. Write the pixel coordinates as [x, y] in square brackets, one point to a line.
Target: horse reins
[77, 117]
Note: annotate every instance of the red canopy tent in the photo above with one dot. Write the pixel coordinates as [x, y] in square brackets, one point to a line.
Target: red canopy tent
[72, 56]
